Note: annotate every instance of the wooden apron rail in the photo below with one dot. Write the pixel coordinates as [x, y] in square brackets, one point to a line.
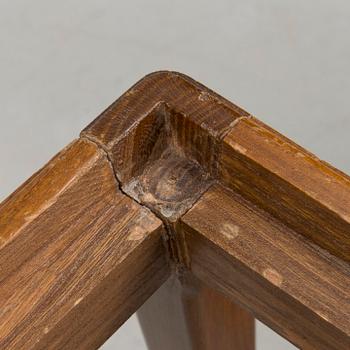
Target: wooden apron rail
[180, 205]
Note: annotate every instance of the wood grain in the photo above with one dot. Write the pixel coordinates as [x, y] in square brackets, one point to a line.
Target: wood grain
[186, 314]
[173, 182]
[281, 177]
[166, 127]
[44, 190]
[181, 93]
[296, 289]
[96, 255]
[167, 116]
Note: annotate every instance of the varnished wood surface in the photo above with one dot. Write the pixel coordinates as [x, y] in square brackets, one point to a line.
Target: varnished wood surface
[165, 110]
[174, 180]
[289, 182]
[186, 314]
[93, 255]
[178, 91]
[55, 191]
[296, 289]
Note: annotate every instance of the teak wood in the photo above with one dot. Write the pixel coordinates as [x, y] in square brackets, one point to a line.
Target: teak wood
[179, 204]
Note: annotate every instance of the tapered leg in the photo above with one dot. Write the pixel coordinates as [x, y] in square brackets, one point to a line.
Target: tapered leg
[188, 315]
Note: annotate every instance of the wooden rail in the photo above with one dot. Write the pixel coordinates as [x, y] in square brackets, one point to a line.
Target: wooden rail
[179, 204]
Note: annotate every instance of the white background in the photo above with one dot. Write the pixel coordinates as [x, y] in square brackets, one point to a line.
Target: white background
[62, 62]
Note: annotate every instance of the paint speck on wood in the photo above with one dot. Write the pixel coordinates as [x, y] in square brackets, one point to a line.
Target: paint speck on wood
[239, 148]
[229, 230]
[204, 96]
[273, 276]
[78, 301]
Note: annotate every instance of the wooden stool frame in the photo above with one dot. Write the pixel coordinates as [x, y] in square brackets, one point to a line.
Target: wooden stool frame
[180, 205]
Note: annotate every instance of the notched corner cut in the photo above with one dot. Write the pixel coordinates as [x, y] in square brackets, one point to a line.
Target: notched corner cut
[162, 138]
[165, 162]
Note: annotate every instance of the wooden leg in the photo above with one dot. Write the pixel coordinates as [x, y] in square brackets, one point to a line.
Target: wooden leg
[189, 315]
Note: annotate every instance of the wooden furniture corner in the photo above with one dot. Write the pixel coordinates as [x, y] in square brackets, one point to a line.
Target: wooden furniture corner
[180, 205]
